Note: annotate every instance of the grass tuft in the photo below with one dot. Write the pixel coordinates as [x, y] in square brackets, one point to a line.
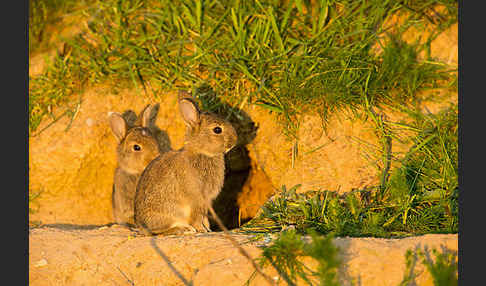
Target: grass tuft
[290, 57]
[46, 16]
[420, 197]
[442, 266]
[287, 251]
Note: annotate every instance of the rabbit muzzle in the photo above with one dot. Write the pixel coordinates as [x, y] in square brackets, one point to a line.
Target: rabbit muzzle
[230, 141]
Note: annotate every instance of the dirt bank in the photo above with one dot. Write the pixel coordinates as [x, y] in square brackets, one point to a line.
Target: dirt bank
[93, 255]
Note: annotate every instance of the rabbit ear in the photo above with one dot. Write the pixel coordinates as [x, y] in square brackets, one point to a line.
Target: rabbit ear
[148, 115]
[130, 118]
[118, 125]
[189, 111]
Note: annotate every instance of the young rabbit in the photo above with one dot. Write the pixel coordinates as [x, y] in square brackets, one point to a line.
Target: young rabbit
[176, 189]
[137, 146]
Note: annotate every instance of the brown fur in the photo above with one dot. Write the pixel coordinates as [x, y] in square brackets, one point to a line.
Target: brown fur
[176, 189]
[129, 131]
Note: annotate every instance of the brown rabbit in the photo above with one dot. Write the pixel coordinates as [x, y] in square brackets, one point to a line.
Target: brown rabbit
[176, 189]
[137, 146]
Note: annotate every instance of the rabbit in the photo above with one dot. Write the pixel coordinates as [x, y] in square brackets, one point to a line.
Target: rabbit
[137, 146]
[176, 189]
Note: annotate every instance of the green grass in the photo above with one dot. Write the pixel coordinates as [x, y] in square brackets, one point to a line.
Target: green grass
[442, 267]
[291, 57]
[290, 252]
[44, 16]
[286, 254]
[420, 196]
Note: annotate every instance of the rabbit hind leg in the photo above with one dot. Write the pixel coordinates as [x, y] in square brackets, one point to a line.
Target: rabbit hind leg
[179, 228]
[174, 229]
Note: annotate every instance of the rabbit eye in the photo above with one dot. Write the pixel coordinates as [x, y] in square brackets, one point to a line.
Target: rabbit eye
[217, 130]
[137, 147]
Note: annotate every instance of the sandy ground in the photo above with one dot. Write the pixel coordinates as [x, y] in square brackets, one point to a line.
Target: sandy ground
[113, 255]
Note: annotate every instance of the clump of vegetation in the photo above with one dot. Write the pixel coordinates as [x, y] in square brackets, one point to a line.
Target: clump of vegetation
[290, 57]
[287, 251]
[443, 267]
[429, 172]
[44, 15]
[420, 197]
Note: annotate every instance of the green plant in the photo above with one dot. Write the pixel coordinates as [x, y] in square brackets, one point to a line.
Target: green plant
[428, 172]
[420, 196]
[287, 251]
[442, 267]
[360, 213]
[44, 16]
[46, 93]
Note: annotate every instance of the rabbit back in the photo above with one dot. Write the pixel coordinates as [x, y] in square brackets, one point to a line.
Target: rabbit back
[169, 195]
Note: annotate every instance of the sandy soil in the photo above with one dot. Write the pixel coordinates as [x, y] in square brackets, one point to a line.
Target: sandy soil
[113, 255]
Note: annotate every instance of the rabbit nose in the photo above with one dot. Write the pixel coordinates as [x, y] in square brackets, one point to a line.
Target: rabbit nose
[228, 147]
[231, 140]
